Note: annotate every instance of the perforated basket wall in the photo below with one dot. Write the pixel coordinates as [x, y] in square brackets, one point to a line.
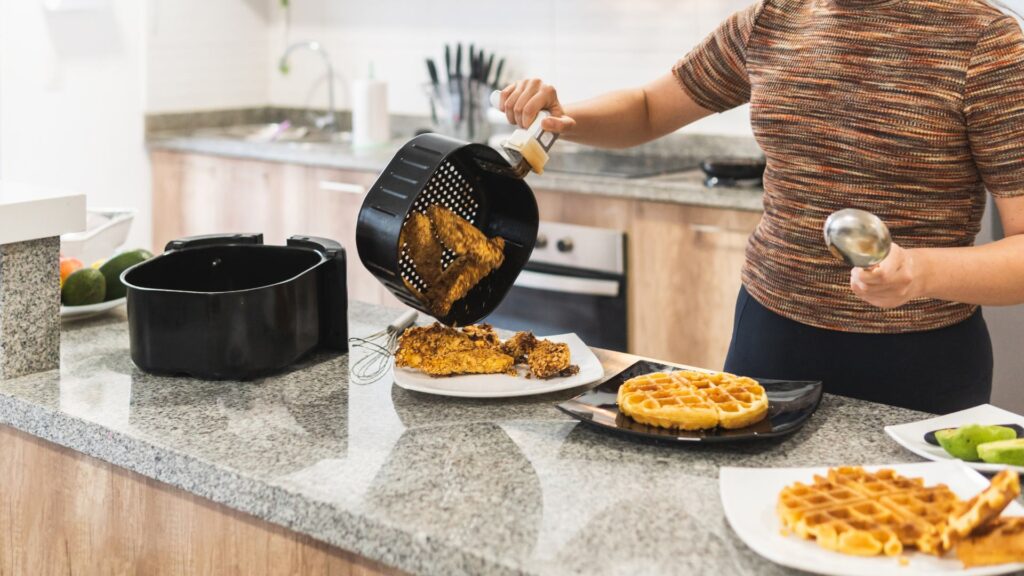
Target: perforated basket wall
[473, 181]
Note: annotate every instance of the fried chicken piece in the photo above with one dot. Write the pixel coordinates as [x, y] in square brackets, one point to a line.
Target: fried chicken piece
[484, 336]
[463, 238]
[550, 359]
[461, 276]
[439, 350]
[519, 346]
[417, 237]
[476, 361]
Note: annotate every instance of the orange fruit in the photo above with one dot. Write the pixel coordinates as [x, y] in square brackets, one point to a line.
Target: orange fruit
[69, 266]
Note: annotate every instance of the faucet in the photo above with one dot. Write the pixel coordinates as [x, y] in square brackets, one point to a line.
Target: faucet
[329, 120]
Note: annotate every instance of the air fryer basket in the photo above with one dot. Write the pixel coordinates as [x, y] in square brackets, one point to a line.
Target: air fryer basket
[471, 180]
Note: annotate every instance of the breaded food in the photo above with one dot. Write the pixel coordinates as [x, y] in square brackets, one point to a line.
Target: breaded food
[424, 237]
[692, 400]
[999, 542]
[417, 238]
[440, 350]
[461, 276]
[519, 346]
[463, 238]
[550, 359]
[983, 508]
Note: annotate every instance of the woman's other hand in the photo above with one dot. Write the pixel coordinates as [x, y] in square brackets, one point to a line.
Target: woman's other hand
[523, 100]
[891, 283]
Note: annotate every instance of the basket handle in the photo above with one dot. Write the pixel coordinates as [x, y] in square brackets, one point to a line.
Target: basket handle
[213, 240]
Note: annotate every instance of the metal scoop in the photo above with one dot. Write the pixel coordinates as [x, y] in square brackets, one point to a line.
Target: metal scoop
[857, 237]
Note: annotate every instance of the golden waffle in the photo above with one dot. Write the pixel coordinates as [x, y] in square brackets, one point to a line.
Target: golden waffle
[983, 508]
[690, 400]
[998, 542]
[865, 514]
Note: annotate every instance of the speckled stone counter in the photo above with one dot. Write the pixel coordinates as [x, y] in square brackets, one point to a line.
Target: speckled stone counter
[424, 484]
[682, 187]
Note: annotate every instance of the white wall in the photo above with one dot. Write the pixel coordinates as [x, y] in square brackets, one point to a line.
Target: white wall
[583, 47]
[71, 102]
[207, 55]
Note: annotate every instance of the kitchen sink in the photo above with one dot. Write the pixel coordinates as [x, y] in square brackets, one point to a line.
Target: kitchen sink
[276, 132]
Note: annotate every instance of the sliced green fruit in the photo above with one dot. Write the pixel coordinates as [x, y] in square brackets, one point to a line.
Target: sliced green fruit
[85, 286]
[1003, 452]
[963, 442]
[113, 268]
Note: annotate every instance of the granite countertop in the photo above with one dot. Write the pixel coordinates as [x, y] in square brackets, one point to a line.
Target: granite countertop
[421, 483]
[685, 187]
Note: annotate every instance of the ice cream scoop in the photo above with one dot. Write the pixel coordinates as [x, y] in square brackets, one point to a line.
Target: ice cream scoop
[857, 237]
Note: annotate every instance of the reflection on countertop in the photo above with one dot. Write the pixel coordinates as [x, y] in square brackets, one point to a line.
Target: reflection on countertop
[422, 483]
[335, 151]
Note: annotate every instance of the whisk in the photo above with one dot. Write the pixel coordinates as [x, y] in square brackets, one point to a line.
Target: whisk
[379, 347]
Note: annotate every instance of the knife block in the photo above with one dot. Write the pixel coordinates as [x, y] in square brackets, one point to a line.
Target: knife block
[29, 307]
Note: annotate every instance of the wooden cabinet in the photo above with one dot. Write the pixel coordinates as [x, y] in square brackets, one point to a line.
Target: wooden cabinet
[198, 194]
[684, 267]
[684, 261]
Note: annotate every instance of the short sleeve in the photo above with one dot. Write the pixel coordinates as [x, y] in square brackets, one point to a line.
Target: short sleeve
[994, 107]
[714, 73]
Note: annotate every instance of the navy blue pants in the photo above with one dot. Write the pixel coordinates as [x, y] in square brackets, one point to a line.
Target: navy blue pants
[938, 371]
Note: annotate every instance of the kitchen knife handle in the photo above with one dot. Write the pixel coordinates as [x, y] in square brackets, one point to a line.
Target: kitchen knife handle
[213, 240]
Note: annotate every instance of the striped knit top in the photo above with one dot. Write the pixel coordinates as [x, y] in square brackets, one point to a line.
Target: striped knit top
[909, 109]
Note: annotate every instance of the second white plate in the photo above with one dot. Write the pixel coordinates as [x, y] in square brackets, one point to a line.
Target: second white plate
[911, 435]
[89, 310]
[749, 496]
[503, 385]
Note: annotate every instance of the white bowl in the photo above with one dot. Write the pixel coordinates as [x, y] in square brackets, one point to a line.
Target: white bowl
[106, 231]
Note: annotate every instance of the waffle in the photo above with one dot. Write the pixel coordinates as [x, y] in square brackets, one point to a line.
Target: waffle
[983, 508]
[998, 542]
[856, 512]
[689, 400]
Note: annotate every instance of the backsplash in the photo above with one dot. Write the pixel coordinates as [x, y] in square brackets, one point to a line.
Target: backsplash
[583, 47]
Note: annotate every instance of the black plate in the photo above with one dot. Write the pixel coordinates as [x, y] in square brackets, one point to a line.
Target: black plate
[790, 404]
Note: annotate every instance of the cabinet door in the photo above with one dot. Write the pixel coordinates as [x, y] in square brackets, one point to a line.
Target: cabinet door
[265, 197]
[333, 201]
[685, 274]
[167, 172]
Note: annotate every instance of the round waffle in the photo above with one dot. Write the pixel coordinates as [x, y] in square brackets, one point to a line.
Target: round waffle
[690, 400]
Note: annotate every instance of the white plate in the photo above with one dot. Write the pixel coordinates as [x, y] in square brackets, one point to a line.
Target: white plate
[911, 436]
[503, 385]
[749, 496]
[89, 310]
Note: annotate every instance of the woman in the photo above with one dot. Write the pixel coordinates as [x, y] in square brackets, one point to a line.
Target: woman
[909, 109]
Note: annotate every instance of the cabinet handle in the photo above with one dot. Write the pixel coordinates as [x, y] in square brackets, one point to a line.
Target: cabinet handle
[345, 187]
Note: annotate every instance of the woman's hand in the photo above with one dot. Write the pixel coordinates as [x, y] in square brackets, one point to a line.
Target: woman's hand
[523, 100]
[892, 283]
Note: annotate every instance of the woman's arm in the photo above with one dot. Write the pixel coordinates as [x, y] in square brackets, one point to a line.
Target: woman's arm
[990, 275]
[615, 120]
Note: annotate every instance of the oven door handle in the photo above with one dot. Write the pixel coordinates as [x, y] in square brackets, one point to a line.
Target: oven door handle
[567, 284]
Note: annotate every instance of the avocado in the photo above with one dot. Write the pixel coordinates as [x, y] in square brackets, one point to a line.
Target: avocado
[1003, 452]
[963, 442]
[113, 268]
[85, 286]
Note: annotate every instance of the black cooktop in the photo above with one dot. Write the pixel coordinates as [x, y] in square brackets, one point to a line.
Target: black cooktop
[618, 165]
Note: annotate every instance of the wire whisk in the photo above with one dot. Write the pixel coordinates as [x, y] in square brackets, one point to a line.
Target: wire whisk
[379, 350]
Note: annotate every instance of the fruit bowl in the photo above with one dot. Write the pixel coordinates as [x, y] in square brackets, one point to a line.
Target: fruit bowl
[70, 313]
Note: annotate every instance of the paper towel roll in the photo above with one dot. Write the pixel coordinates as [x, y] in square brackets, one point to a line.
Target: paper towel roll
[370, 125]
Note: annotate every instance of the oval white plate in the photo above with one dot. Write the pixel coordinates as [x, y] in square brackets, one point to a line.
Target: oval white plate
[749, 496]
[503, 385]
[89, 310]
[911, 435]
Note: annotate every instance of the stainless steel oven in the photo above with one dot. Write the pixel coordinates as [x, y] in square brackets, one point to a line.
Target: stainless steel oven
[575, 281]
